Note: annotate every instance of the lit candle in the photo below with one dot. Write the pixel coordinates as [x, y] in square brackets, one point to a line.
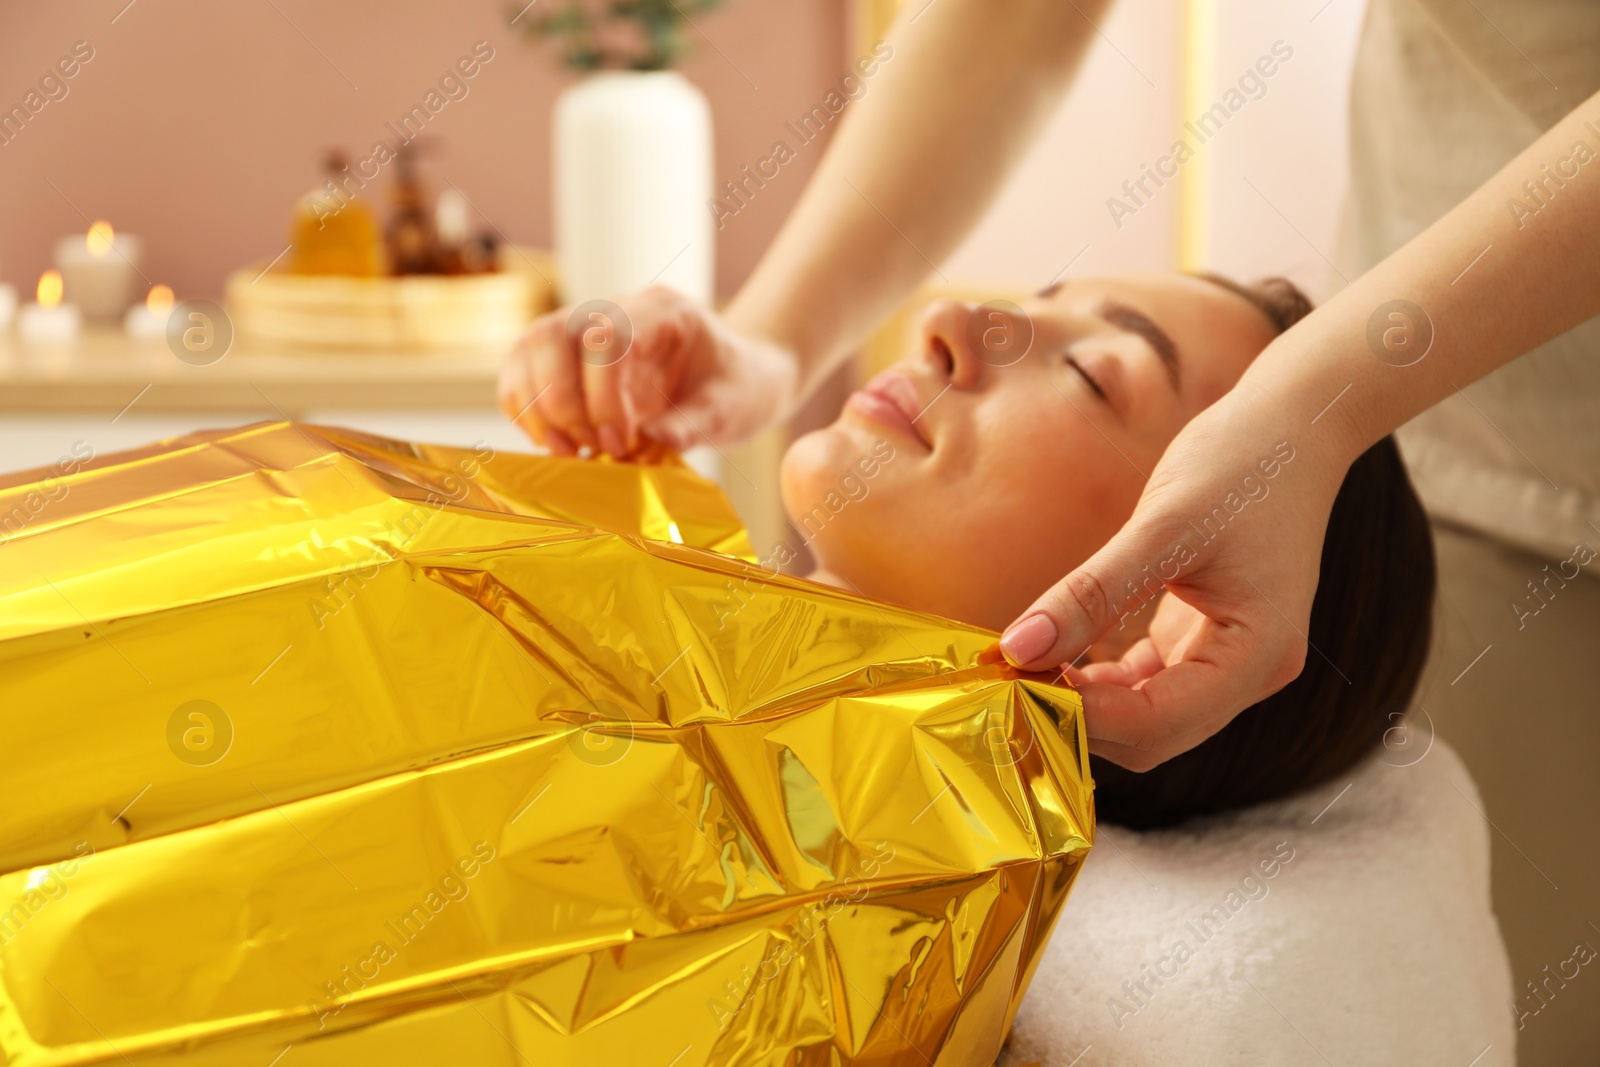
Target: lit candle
[148, 321]
[49, 322]
[100, 270]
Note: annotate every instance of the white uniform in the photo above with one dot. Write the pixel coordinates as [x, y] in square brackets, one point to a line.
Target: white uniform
[1445, 93]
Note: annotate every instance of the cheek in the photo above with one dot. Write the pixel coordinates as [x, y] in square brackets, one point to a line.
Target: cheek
[1060, 484]
[1030, 443]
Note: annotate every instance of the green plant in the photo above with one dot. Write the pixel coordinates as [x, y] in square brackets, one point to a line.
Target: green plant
[617, 34]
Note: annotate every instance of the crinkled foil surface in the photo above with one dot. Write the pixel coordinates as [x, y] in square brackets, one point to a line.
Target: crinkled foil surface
[323, 748]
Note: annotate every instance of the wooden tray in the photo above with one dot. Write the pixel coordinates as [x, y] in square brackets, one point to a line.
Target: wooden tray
[416, 313]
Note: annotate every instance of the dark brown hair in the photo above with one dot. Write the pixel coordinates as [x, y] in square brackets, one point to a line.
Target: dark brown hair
[1279, 299]
[1371, 621]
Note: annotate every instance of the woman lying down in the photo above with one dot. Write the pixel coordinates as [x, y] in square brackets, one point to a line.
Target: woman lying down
[975, 479]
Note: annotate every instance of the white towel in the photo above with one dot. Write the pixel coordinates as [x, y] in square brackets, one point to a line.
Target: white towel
[1347, 925]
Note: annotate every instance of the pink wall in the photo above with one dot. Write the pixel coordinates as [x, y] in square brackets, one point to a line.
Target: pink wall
[197, 124]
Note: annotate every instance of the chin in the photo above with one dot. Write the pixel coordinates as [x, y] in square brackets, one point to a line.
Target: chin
[834, 469]
[837, 495]
[876, 532]
[812, 465]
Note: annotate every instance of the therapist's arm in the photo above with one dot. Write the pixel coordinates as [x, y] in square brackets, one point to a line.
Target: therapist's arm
[1493, 278]
[916, 164]
[913, 166]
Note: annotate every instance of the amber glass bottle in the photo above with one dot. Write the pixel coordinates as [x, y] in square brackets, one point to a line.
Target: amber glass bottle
[332, 230]
[412, 241]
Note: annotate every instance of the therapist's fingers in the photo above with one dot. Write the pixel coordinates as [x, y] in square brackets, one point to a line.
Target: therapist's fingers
[558, 385]
[545, 387]
[1220, 640]
[1140, 736]
[517, 399]
[1174, 627]
[677, 428]
[1079, 609]
[1138, 664]
[655, 365]
[512, 394]
[621, 351]
[605, 408]
[1145, 710]
[636, 395]
[634, 400]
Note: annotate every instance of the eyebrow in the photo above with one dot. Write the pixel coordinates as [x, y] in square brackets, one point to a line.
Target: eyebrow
[1135, 321]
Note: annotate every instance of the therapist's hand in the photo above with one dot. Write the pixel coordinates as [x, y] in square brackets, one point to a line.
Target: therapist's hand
[650, 364]
[1230, 629]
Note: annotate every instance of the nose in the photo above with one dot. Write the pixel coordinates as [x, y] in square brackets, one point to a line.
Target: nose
[945, 326]
[965, 340]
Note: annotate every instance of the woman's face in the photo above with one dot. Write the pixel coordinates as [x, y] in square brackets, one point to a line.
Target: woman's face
[980, 469]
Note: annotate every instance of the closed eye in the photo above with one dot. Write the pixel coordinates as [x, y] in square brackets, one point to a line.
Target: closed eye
[1093, 385]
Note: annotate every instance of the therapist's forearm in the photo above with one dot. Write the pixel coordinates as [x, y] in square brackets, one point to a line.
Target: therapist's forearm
[1495, 281]
[912, 168]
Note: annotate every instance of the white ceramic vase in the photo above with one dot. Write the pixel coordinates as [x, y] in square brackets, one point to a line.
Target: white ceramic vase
[632, 153]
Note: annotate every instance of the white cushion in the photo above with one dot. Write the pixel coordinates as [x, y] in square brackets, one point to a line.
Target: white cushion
[1349, 925]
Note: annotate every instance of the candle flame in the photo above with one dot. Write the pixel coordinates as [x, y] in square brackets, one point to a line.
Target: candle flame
[159, 300]
[49, 289]
[100, 238]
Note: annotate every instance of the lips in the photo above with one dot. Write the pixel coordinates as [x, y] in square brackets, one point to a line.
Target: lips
[891, 400]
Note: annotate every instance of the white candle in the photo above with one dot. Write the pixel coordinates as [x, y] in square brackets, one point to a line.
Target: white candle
[49, 321]
[8, 305]
[100, 270]
[148, 321]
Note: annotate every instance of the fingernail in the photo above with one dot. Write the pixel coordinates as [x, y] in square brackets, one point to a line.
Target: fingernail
[559, 443]
[610, 442]
[1027, 640]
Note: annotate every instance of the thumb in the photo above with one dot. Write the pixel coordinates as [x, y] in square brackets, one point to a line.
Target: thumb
[715, 411]
[674, 429]
[1073, 614]
[679, 422]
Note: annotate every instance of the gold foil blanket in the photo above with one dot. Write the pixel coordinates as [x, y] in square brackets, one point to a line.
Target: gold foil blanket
[338, 749]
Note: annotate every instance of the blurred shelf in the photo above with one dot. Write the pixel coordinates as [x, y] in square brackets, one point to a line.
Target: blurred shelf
[105, 371]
